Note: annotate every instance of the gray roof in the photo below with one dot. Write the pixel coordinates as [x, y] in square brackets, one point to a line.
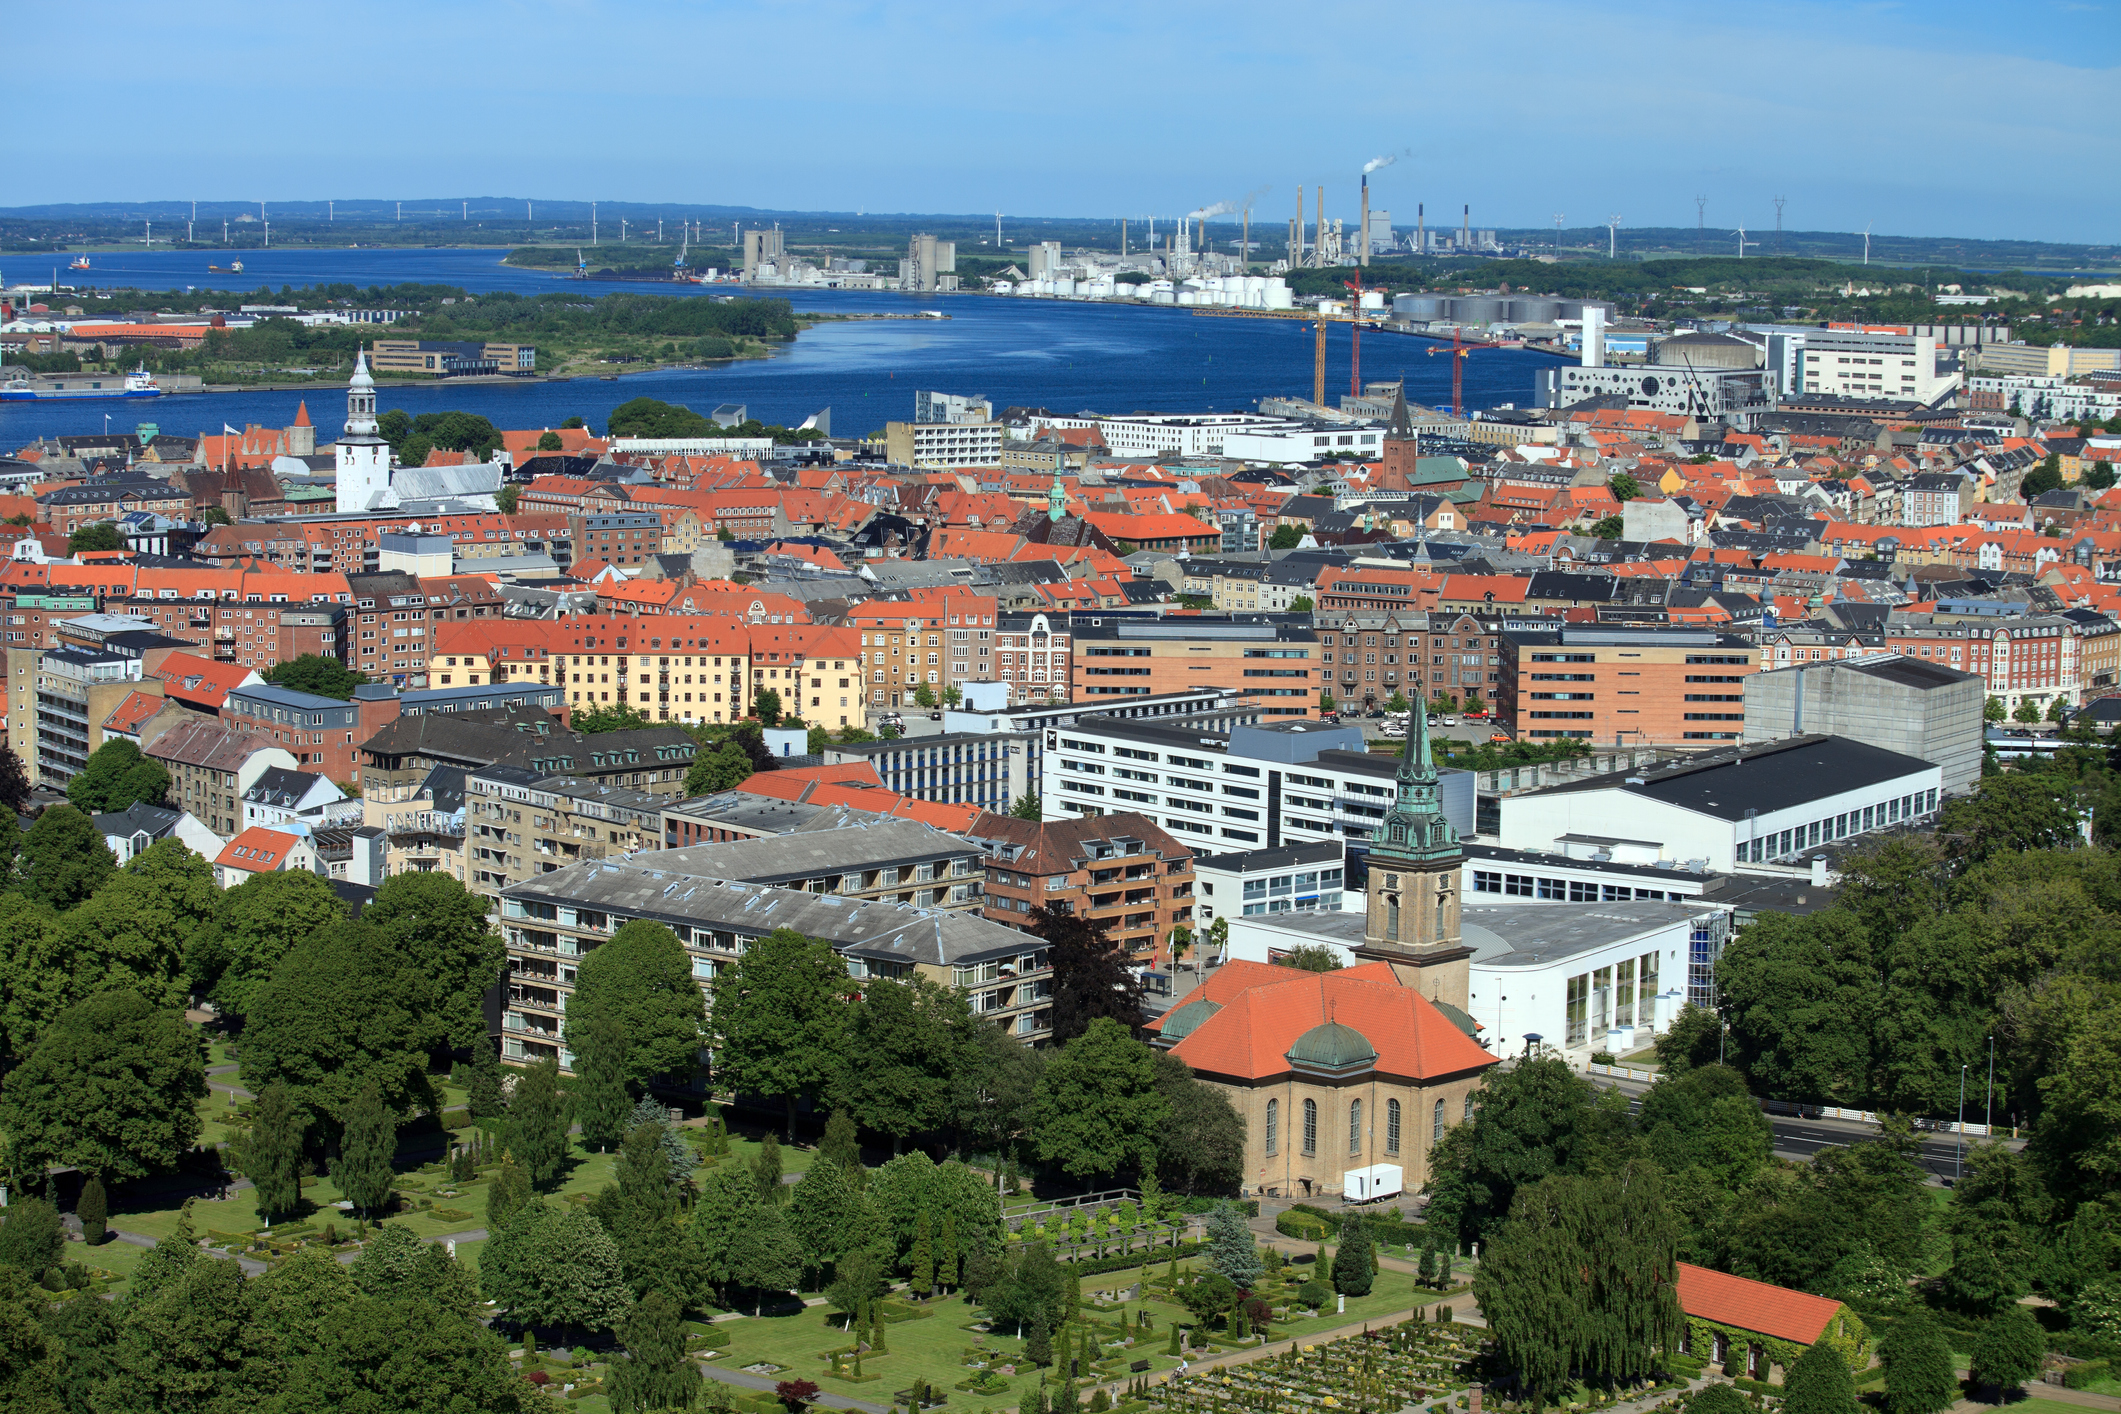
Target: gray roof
[873, 841]
[277, 785]
[1286, 856]
[429, 483]
[157, 820]
[1773, 776]
[1528, 935]
[635, 887]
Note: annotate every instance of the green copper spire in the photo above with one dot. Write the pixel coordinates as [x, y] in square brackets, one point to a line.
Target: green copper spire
[1416, 829]
[1057, 501]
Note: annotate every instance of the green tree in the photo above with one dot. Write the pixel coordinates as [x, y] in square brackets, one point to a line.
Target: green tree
[117, 776]
[1800, 997]
[642, 980]
[1993, 710]
[2007, 1350]
[724, 768]
[184, 1347]
[14, 782]
[32, 1238]
[824, 1212]
[441, 934]
[316, 673]
[506, 498]
[1098, 1107]
[2028, 711]
[270, 1154]
[2100, 477]
[112, 1089]
[482, 1088]
[555, 1266]
[1531, 1123]
[1355, 1263]
[363, 1169]
[2041, 479]
[1919, 1373]
[537, 1124]
[1201, 1143]
[1609, 528]
[258, 923]
[1301, 604]
[601, 1105]
[508, 1194]
[765, 1258]
[656, 1373]
[1703, 1118]
[134, 931]
[779, 1016]
[1027, 808]
[2011, 813]
[1311, 957]
[63, 859]
[923, 1258]
[391, 1264]
[1397, 702]
[549, 442]
[841, 1142]
[1231, 1249]
[728, 1203]
[93, 1208]
[1691, 1040]
[1624, 487]
[1286, 537]
[766, 706]
[915, 1041]
[1583, 1278]
[341, 1012]
[924, 697]
[1819, 1383]
[100, 536]
[168, 1260]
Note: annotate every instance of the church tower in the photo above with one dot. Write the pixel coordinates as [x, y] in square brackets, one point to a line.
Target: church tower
[363, 455]
[1414, 864]
[1401, 454]
[1057, 501]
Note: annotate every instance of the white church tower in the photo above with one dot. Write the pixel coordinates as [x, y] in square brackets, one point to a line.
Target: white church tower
[364, 457]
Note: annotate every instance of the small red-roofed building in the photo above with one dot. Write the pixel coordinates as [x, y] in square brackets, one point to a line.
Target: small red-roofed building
[1333, 1071]
[258, 850]
[1762, 1325]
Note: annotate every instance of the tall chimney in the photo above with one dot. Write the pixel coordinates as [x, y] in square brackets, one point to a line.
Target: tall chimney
[1465, 229]
[1318, 247]
[1296, 248]
[1421, 239]
[1364, 234]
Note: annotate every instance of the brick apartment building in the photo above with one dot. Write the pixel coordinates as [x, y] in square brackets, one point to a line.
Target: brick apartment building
[324, 734]
[941, 641]
[1625, 686]
[1119, 870]
[1275, 663]
[1366, 657]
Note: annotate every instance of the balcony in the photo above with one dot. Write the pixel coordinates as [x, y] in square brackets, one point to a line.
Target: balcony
[447, 823]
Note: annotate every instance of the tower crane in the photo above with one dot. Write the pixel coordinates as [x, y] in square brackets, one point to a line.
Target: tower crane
[1459, 353]
[1355, 319]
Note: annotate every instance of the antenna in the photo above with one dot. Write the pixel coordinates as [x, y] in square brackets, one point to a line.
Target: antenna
[1557, 233]
[1612, 237]
[1778, 223]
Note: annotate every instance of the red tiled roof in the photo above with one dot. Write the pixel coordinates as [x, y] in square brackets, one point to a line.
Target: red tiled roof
[1754, 1305]
[1266, 1009]
[258, 850]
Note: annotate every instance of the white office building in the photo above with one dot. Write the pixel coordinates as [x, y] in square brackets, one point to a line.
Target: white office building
[1727, 809]
[1848, 364]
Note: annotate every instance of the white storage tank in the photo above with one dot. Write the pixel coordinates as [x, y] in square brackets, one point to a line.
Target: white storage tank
[1368, 1184]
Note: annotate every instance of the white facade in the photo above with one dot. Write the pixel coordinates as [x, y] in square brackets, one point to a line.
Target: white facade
[363, 457]
[1302, 879]
[1582, 983]
[1629, 827]
[1302, 443]
[1852, 365]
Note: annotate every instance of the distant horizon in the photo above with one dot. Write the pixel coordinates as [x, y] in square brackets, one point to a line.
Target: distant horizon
[1984, 121]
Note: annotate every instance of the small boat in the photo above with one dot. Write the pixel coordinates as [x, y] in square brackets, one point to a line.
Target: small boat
[79, 262]
[235, 267]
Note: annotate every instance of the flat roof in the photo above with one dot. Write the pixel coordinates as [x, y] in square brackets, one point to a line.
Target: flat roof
[1529, 858]
[1286, 856]
[1528, 935]
[1773, 776]
[1922, 673]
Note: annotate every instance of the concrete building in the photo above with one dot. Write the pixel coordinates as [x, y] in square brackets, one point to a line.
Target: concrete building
[761, 248]
[1917, 708]
[2053, 361]
[1689, 392]
[517, 824]
[450, 358]
[1294, 878]
[1625, 686]
[1244, 787]
[932, 407]
[1120, 871]
[211, 766]
[1728, 808]
[549, 922]
[991, 770]
[943, 444]
[59, 699]
[1849, 364]
[930, 264]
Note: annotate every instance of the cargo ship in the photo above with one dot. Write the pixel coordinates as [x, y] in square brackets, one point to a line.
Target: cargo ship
[140, 384]
[79, 262]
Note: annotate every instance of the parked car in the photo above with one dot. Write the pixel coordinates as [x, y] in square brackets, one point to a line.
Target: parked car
[1480, 715]
[1329, 717]
[1450, 721]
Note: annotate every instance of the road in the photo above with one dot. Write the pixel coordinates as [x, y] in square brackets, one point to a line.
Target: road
[1803, 1138]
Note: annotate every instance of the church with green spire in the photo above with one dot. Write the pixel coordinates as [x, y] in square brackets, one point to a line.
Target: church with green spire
[1414, 861]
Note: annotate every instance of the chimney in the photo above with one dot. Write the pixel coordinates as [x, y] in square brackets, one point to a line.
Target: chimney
[1818, 871]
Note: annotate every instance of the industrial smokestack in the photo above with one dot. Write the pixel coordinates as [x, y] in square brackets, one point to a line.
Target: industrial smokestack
[1364, 235]
[1318, 246]
[1421, 237]
[1593, 336]
[1465, 229]
[1296, 246]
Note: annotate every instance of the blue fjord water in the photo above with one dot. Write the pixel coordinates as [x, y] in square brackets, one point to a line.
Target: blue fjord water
[1066, 356]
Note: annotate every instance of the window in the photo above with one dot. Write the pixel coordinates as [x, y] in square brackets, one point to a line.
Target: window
[1576, 1009]
[1310, 1126]
[1354, 1127]
[1469, 1107]
[1391, 1125]
[1436, 1124]
[1273, 1126]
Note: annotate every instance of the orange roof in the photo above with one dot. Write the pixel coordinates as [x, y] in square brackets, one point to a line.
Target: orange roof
[127, 716]
[1265, 1010]
[1754, 1305]
[258, 850]
[201, 682]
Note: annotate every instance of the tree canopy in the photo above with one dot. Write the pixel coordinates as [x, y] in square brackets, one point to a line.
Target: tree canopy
[641, 978]
[117, 776]
[112, 1089]
[315, 673]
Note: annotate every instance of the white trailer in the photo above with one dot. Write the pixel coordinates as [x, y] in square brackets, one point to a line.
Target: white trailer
[1369, 1184]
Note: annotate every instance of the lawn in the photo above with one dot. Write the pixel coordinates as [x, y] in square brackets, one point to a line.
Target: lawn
[938, 1345]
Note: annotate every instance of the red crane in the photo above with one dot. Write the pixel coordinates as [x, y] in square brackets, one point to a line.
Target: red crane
[1459, 354]
[1355, 318]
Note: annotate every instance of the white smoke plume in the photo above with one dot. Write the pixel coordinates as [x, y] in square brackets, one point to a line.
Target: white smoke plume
[1376, 162]
[1220, 208]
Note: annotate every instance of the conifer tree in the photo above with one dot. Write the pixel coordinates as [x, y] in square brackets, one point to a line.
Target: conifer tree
[601, 1103]
[840, 1142]
[271, 1151]
[1231, 1249]
[946, 1254]
[1819, 1383]
[923, 1257]
[537, 1123]
[94, 1211]
[482, 1087]
[363, 1169]
[1354, 1266]
[766, 1169]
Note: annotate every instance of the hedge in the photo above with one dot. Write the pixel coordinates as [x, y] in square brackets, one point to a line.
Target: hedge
[1248, 1206]
[1097, 1266]
[2086, 1375]
[1304, 1227]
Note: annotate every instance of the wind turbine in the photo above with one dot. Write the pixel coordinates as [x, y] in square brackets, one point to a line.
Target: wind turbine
[1867, 243]
[1743, 243]
[1612, 236]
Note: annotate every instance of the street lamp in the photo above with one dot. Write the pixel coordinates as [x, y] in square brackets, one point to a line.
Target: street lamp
[1960, 1156]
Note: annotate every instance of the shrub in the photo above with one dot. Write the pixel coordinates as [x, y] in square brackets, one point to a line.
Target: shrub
[1302, 1226]
[2086, 1375]
[1315, 1294]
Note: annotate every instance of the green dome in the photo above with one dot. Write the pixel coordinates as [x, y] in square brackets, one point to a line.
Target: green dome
[1182, 1023]
[1333, 1047]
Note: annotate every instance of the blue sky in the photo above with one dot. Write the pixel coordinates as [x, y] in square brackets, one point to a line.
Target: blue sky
[1951, 118]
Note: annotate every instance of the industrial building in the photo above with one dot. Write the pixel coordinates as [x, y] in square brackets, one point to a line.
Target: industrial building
[1688, 391]
[1909, 705]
